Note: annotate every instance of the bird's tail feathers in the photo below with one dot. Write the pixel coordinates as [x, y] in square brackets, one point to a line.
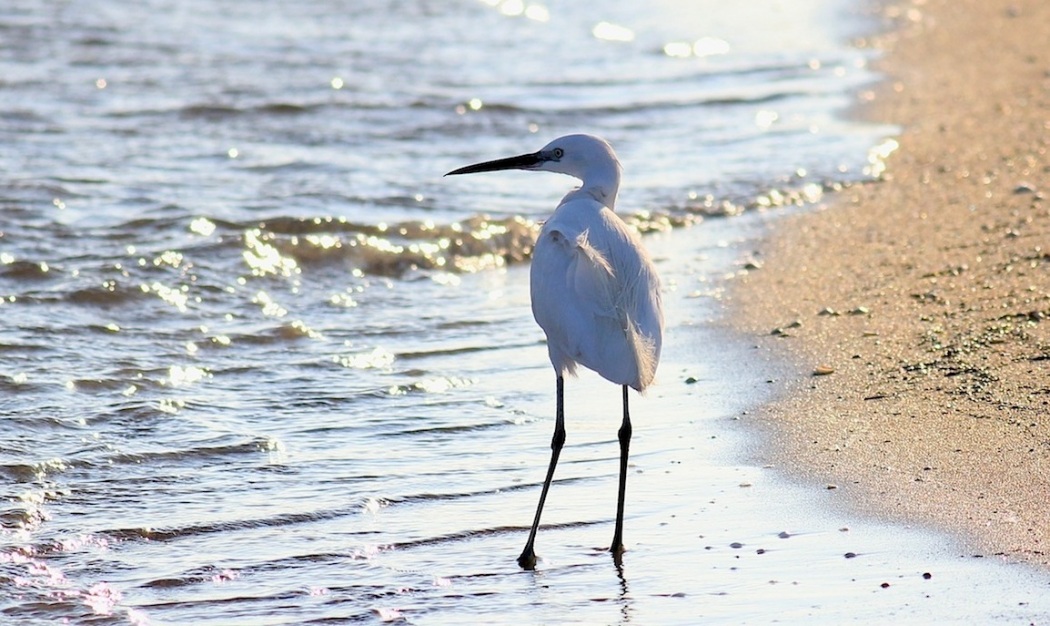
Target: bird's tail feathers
[599, 276]
[644, 349]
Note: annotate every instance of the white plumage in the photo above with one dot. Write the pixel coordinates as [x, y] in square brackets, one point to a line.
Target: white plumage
[595, 292]
[594, 295]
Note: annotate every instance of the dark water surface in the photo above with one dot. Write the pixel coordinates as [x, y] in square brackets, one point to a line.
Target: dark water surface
[261, 364]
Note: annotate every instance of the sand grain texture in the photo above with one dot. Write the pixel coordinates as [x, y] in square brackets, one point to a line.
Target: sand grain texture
[924, 299]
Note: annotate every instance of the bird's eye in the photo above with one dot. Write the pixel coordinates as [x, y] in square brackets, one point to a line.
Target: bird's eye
[558, 153]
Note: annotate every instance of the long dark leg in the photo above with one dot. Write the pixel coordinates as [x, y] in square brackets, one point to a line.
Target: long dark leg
[625, 444]
[527, 560]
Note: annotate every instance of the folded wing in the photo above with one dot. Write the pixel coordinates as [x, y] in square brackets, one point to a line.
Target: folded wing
[596, 295]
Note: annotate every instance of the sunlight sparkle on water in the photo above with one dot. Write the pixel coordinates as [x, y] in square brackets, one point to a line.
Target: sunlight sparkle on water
[380, 243]
[270, 308]
[479, 263]
[263, 258]
[440, 384]
[179, 376]
[537, 12]
[171, 406]
[174, 297]
[324, 242]
[169, 257]
[202, 226]
[678, 49]
[225, 576]
[446, 278]
[710, 46]
[765, 118]
[299, 328]
[377, 358]
[373, 505]
[102, 598]
[607, 31]
[388, 615]
[702, 47]
[518, 8]
[474, 104]
[343, 299]
[877, 157]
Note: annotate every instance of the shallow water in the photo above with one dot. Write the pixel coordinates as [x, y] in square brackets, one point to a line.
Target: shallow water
[261, 364]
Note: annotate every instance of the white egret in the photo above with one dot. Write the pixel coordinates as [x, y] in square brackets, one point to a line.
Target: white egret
[595, 292]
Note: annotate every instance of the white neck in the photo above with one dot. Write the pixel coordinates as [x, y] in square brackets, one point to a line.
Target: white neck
[602, 184]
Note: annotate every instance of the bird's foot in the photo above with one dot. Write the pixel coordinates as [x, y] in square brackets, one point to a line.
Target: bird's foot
[527, 560]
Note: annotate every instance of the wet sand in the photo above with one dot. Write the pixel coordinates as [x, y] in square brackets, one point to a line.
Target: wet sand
[917, 309]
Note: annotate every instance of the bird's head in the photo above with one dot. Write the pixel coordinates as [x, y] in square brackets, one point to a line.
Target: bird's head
[586, 157]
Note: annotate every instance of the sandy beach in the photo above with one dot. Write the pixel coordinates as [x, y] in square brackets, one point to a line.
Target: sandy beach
[917, 308]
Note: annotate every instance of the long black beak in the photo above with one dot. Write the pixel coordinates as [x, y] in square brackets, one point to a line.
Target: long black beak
[520, 162]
